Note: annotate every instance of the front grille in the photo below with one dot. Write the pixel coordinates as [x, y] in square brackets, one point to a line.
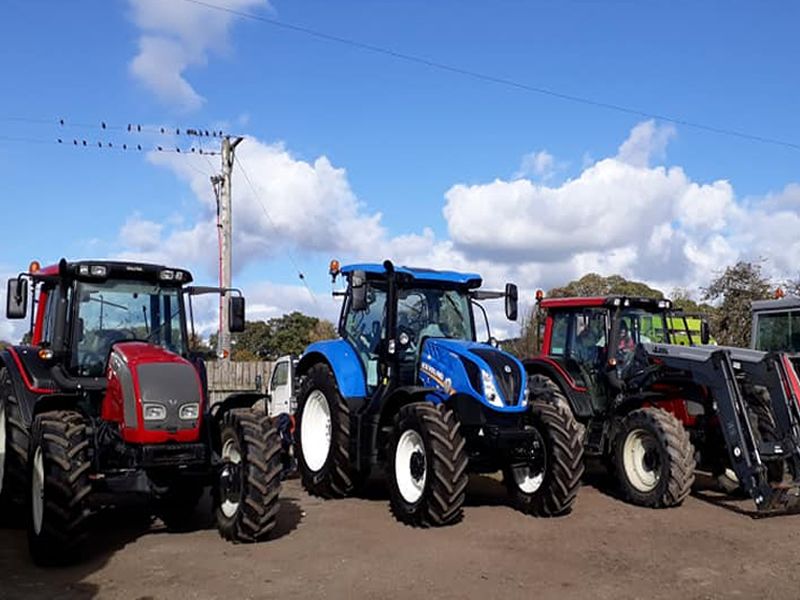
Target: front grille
[506, 372]
[171, 385]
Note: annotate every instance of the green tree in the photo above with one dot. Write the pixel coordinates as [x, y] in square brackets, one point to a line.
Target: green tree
[734, 289]
[288, 334]
[593, 284]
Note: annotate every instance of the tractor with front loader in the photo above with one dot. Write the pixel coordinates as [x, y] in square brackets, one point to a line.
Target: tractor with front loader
[655, 411]
[107, 406]
[408, 388]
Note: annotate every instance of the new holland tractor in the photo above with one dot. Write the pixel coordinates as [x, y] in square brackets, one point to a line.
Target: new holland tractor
[408, 388]
[654, 411]
[107, 406]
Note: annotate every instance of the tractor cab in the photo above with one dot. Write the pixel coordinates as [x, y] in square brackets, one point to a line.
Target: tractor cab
[389, 317]
[776, 325]
[593, 340]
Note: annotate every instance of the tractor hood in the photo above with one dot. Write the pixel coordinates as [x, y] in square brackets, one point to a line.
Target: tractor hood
[482, 371]
[154, 394]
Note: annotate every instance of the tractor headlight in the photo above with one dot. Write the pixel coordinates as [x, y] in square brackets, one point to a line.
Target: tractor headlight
[166, 275]
[154, 412]
[489, 389]
[189, 412]
[526, 395]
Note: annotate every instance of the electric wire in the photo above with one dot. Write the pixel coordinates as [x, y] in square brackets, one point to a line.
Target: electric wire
[486, 77]
[275, 227]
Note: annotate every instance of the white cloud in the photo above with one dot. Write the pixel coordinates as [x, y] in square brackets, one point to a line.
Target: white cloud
[176, 36]
[650, 223]
[646, 142]
[292, 203]
[540, 165]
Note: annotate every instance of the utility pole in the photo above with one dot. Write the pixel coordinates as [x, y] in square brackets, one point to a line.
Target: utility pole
[222, 189]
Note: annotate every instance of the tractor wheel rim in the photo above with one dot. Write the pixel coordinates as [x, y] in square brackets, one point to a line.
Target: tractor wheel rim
[230, 478]
[2, 442]
[410, 466]
[315, 431]
[528, 479]
[641, 460]
[37, 490]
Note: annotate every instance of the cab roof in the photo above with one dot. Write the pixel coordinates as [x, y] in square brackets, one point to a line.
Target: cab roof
[470, 280]
[606, 301]
[785, 303]
[114, 270]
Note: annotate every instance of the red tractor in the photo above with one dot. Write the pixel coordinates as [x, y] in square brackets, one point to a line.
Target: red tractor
[654, 411]
[108, 406]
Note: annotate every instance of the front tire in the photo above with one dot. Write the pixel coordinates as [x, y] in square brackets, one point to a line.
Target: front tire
[427, 466]
[654, 459]
[323, 437]
[250, 477]
[548, 485]
[58, 487]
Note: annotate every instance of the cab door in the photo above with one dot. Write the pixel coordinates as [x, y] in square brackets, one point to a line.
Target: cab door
[579, 342]
[281, 389]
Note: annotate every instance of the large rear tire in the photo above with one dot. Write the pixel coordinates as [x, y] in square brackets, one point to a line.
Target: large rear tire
[250, 477]
[654, 459]
[58, 487]
[547, 485]
[13, 445]
[762, 421]
[427, 469]
[323, 440]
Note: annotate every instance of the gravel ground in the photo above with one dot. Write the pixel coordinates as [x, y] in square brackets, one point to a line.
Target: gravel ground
[354, 548]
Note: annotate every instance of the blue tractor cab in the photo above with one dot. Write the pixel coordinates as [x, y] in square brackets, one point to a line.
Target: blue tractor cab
[409, 388]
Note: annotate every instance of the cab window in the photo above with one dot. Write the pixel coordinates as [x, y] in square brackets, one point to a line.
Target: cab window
[281, 375]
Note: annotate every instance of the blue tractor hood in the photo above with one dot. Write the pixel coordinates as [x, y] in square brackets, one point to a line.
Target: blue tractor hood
[493, 377]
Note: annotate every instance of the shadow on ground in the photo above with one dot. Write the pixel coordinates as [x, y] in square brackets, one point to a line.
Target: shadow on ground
[110, 531]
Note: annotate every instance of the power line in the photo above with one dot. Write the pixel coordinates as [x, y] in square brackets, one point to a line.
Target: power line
[411, 58]
[275, 227]
[131, 127]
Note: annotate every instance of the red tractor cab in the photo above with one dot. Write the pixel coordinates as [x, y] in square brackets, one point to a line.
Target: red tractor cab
[107, 405]
[651, 408]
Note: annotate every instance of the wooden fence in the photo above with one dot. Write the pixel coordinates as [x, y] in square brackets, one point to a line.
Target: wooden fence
[228, 377]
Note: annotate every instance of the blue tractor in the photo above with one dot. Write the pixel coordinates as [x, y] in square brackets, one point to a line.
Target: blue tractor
[409, 389]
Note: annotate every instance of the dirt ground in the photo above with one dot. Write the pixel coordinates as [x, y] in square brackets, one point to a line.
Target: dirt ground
[354, 548]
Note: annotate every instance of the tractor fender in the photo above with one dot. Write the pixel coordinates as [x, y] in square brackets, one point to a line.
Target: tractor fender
[392, 404]
[343, 360]
[578, 396]
[26, 389]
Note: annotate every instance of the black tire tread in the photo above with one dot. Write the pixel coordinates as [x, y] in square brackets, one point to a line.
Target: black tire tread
[64, 439]
[564, 440]
[260, 447]
[443, 498]
[338, 478]
[680, 451]
[17, 441]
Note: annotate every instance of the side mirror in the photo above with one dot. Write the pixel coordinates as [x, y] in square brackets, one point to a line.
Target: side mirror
[512, 296]
[358, 291]
[17, 298]
[705, 333]
[236, 314]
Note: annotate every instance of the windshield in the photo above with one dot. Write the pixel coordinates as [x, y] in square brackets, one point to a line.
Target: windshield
[116, 311]
[642, 325]
[434, 313]
[778, 331]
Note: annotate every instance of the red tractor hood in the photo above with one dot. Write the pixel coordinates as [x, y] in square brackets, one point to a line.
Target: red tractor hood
[155, 395]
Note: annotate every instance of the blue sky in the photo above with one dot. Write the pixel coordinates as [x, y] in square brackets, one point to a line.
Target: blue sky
[408, 150]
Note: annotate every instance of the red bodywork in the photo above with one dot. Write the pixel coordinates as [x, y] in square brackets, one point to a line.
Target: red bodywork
[112, 409]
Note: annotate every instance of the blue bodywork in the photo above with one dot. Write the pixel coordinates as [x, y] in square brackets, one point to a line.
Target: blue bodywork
[442, 366]
[344, 361]
[469, 280]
